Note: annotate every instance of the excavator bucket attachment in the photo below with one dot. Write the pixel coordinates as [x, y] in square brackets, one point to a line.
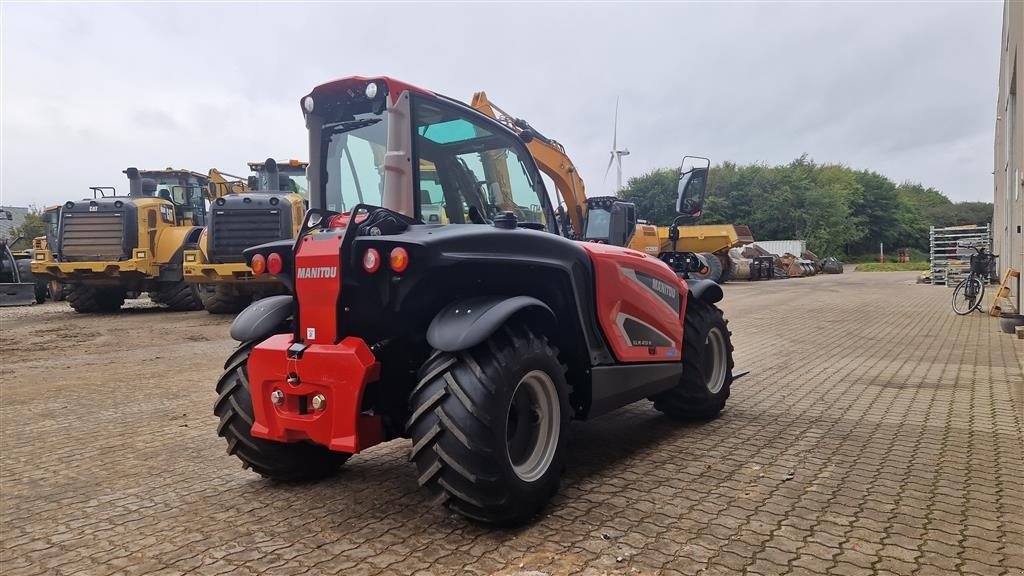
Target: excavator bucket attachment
[20, 294]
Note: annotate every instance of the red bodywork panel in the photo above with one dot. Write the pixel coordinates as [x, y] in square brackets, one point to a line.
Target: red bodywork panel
[318, 286]
[338, 371]
[395, 87]
[640, 304]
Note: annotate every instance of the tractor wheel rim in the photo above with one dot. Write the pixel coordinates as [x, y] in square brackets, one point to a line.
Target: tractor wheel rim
[532, 426]
[715, 361]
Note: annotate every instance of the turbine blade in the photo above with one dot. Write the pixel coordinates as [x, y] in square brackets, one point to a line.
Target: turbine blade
[615, 133]
[611, 158]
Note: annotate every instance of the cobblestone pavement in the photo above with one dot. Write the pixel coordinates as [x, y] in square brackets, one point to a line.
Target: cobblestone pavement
[877, 433]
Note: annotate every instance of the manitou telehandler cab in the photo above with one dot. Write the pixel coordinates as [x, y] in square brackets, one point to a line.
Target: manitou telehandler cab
[270, 208]
[109, 245]
[479, 338]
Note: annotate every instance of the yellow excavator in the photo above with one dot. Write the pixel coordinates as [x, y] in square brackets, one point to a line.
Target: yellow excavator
[267, 206]
[589, 218]
[110, 245]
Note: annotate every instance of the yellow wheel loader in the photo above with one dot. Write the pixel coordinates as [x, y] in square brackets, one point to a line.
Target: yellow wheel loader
[270, 208]
[111, 245]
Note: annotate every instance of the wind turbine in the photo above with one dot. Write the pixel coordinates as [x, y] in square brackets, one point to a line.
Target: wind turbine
[616, 154]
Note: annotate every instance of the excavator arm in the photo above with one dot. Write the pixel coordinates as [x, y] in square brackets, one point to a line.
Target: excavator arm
[550, 157]
[221, 186]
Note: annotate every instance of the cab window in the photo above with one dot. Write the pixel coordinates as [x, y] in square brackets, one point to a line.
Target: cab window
[468, 171]
[355, 161]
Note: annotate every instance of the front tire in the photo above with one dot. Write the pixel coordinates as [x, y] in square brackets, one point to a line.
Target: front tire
[178, 296]
[489, 426]
[283, 461]
[220, 299]
[87, 299]
[707, 366]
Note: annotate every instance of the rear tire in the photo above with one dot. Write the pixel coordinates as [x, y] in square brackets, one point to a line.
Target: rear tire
[219, 299]
[714, 267]
[178, 296]
[283, 461]
[707, 366]
[489, 426]
[57, 291]
[728, 267]
[87, 299]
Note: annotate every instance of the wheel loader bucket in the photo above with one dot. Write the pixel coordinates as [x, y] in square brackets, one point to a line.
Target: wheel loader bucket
[21, 294]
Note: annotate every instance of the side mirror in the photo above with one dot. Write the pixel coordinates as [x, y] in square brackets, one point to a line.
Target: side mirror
[693, 185]
[622, 224]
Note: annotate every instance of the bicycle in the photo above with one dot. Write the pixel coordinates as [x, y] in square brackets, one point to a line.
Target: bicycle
[970, 292]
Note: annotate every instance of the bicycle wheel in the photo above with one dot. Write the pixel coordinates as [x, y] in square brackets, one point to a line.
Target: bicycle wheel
[967, 295]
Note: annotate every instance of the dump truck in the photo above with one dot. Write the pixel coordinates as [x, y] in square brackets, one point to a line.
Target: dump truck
[711, 241]
[270, 207]
[110, 245]
[478, 339]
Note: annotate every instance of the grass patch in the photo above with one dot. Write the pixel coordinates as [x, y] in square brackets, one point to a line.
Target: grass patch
[892, 267]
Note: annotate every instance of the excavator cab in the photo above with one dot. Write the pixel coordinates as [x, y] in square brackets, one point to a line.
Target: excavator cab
[693, 185]
[609, 221]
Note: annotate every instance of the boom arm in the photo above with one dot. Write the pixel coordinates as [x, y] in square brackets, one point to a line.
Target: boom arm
[550, 157]
[223, 186]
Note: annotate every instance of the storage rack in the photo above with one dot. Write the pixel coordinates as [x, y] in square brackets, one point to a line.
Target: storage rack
[951, 250]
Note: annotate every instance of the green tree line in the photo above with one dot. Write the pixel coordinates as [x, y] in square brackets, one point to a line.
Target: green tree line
[838, 210]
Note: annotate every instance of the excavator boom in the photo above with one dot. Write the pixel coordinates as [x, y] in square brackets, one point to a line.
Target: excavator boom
[550, 157]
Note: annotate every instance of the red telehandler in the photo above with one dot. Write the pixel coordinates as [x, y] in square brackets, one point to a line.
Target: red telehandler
[433, 297]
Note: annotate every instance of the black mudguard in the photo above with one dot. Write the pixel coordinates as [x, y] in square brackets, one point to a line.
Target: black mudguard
[464, 324]
[705, 290]
[262, 318]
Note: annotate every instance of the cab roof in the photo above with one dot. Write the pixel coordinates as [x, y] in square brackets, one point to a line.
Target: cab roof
[357, 84]
[174, 172]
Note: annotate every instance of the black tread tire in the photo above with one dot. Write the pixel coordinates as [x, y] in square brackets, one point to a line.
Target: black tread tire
[86, 299]
[57, 290]
[458, 427]
[728, 267]
[691, 399]
[218, 299]
[714, 267]
[281, 461]
[178, 296]
[25, 273]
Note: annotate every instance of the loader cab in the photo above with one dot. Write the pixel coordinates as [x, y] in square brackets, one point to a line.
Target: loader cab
[51, 218]
[433, 159]
[609, 221]
[273, 176]
[185, 191]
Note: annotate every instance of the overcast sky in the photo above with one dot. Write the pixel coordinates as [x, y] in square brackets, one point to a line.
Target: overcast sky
[908, 90]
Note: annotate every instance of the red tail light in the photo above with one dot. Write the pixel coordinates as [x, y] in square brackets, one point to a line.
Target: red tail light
[258, 264]
[274, 263]
[399, 259]
[371, 260]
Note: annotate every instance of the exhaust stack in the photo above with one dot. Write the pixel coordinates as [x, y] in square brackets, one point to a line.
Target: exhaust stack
[134, 182]
[273, 175]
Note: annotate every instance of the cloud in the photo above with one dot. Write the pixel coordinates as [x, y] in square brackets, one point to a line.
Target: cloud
[904, 89]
